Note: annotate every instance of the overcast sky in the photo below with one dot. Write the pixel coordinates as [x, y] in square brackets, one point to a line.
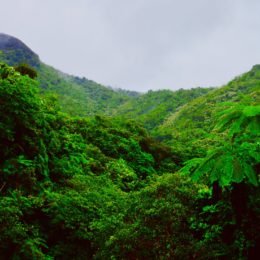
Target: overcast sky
[140, 44]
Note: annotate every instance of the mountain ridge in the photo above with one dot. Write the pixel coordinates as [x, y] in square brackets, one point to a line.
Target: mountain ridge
[156, 110]
[83, 97]
[74, 93]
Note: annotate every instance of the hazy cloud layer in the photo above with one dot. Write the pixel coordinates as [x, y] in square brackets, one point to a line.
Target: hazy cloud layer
[140, 44]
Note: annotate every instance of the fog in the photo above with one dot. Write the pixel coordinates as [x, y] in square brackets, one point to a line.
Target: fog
[140, 44]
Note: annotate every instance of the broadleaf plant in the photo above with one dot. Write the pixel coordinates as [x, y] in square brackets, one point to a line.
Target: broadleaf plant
[235, 159]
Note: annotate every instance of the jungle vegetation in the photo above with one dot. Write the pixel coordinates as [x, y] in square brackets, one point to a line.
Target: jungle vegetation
[118, 175]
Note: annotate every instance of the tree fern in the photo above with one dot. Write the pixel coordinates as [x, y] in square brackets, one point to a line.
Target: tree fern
[240, 118]
[234, 161]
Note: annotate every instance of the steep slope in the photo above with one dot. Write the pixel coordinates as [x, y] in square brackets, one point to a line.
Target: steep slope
[79, 96]
[188, 129]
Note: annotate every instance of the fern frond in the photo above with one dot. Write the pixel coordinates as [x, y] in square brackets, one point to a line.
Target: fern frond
[207, 164]
[236, 119]
[250, 173]
[254, 126]
[227, 117]
[251, 111]
[191, 165]
[226, 170]
[238, 174]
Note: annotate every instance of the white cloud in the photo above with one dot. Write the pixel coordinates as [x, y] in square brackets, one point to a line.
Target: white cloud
[140, 44]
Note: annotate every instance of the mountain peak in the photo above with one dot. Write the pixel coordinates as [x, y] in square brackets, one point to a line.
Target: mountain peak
[14, 51]
[256, 67]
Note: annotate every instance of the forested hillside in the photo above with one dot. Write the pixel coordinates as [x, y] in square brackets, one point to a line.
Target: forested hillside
[83, 97]
[77, 96]
[118, 175]
[191, 125]
[153, 107]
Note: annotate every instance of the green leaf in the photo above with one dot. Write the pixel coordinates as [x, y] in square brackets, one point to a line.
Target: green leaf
[249, 172]
[226, 167]
[251, 111]
[238, 174]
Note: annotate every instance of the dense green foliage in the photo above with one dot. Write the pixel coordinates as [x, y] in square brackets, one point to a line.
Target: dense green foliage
[105, 187]
[189, 129]
[152, 108]
[79, 96]
[238, 154]
[44, 153]
[102, 188]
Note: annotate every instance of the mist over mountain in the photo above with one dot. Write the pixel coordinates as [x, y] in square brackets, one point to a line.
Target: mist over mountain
[8, 43]
[77, 96]
[15, 51]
